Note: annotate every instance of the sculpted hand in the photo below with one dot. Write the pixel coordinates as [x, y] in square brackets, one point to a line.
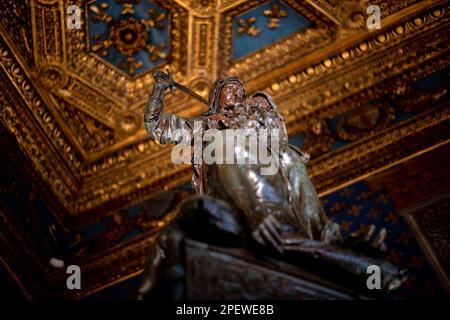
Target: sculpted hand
[163, 78]
[370, 242]
[268, 232]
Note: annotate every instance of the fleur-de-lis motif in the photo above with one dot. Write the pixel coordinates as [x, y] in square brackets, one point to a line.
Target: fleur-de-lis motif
[364, 195]
[337, 206]
[345, 225]
[392, 217]
[156, 52]
[131, 64]
[246, 26]
[347, 193]
[101, 47]
[127, 8]
[155, 20]
[382, 199]
[355, 210]
[100, 13]
[275, 14]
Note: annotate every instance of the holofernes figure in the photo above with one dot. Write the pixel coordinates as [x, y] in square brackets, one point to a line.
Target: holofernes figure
[279, 214]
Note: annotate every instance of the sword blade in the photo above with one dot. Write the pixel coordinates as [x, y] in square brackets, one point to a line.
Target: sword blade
[190, 92]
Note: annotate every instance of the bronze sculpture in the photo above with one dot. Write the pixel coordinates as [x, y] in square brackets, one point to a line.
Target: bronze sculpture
[278, 214]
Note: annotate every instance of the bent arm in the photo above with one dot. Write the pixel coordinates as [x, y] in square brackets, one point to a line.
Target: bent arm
[163, 127]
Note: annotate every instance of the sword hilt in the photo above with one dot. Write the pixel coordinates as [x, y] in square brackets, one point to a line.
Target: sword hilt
[171, 82]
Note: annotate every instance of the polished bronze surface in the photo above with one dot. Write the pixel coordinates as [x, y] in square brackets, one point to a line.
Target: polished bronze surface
[280, 210]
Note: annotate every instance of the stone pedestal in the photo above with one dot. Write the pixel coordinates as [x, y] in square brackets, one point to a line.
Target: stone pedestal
[228, 273]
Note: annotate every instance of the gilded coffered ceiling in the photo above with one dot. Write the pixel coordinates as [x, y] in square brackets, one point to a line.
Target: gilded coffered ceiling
[74, 97]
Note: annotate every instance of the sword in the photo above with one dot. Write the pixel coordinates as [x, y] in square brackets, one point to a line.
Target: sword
[184, 89]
